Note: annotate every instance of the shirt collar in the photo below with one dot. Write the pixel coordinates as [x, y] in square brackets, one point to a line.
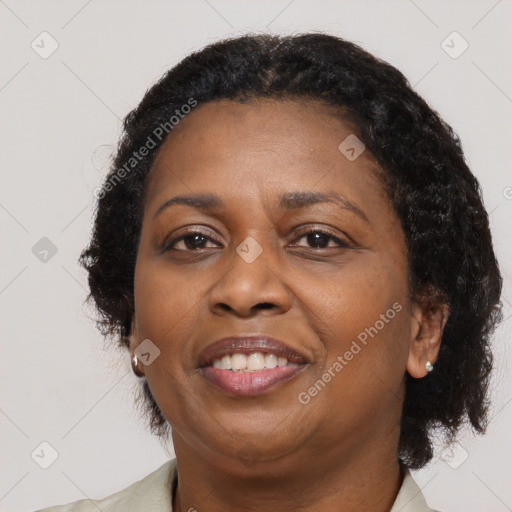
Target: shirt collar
[409, 497]
[161, 484]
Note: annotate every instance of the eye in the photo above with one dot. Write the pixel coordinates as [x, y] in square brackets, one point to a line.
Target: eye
[191, 241]
[197, 240]
[320, 239]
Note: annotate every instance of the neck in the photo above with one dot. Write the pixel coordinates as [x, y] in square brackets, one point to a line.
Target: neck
[366, 477]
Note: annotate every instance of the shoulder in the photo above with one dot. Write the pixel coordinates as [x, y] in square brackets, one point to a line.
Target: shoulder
[410, 498]
[153, 493]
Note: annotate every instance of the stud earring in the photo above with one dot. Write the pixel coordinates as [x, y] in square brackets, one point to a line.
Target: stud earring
[429, 366]
[135, 366]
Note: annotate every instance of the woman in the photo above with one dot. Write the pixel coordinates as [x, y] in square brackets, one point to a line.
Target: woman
[296, 256]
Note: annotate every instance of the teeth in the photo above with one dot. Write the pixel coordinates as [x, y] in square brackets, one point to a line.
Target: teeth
[238, 362]
[251, 362]
[226, 363]
[256, 361]
[270, 361]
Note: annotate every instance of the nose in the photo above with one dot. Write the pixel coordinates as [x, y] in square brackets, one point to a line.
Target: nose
[249, 288]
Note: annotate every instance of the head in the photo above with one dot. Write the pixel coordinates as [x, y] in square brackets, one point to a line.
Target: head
[370, 251]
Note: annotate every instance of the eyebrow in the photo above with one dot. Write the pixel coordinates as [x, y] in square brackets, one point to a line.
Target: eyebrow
[288, 201]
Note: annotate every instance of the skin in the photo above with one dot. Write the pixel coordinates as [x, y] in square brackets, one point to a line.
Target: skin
[272, 452]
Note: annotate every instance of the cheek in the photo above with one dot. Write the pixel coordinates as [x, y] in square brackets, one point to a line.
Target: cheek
[354, 298]
[164, 311]
[162, 299]
[361, 319]
[361, 376]
[166, 308]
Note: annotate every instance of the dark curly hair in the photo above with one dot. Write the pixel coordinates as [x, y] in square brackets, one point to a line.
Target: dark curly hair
[438, 200]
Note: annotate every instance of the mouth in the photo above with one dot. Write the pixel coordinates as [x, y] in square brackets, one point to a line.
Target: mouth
[250, 365]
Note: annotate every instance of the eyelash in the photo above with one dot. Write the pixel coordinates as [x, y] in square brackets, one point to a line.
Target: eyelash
[168, 245]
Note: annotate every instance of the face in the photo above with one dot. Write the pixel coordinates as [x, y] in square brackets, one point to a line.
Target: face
[298, 243]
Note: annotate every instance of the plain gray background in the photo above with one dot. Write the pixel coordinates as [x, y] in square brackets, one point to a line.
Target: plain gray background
[60, 121]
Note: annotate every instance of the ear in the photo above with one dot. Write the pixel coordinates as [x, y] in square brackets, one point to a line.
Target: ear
[134, 341]
[427, 326]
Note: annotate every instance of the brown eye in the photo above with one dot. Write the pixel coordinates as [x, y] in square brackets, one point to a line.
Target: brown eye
[191, 241]
[319, 239]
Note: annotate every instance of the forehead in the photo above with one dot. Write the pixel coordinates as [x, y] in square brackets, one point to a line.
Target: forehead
[239, 149]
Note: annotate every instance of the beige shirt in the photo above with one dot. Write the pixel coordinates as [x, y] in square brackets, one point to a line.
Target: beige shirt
[153, 494]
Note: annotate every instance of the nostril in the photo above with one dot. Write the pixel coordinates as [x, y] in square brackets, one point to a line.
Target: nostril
[260, 306]
[265, 305]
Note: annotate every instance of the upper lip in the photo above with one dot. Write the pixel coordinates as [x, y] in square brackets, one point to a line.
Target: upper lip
[248, 344]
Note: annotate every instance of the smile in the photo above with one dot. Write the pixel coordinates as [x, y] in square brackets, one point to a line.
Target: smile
[251, 362]
[249, 365]
[251, 382]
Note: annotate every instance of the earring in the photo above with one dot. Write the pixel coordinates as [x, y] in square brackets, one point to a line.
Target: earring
[135, 366]
[429, 366]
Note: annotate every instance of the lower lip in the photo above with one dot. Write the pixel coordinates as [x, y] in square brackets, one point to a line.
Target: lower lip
[250, 383]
